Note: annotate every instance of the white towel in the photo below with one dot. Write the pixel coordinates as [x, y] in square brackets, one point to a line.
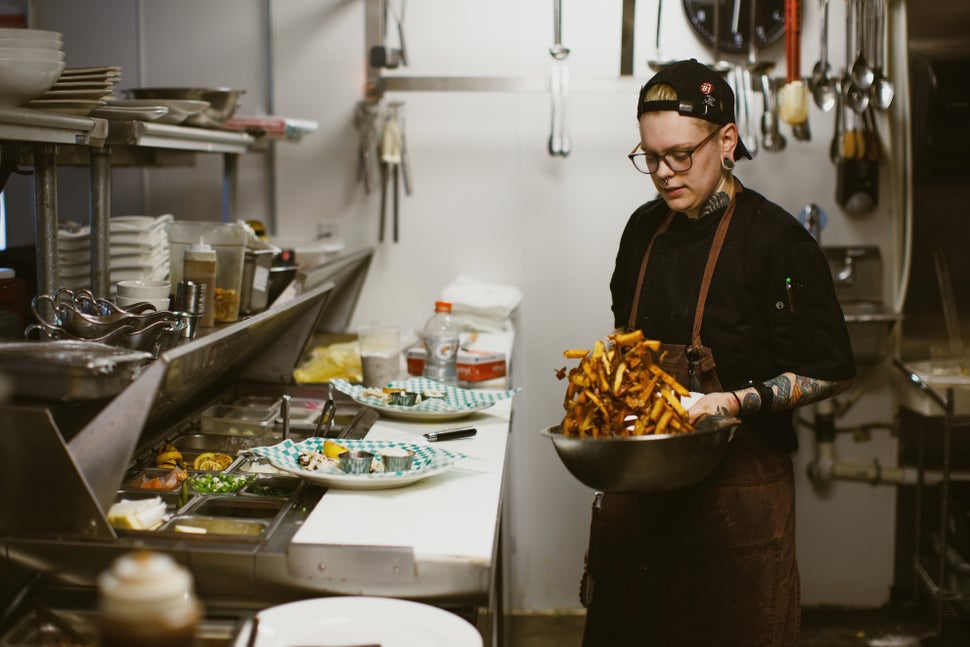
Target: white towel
[474, 297]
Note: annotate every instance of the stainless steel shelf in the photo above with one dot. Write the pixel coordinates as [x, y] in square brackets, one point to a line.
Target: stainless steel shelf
[184, 138]
[43, 132]
[39, 126]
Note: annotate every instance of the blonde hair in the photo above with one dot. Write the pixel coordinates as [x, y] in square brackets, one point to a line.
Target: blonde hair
[666, 92]
[660, 92]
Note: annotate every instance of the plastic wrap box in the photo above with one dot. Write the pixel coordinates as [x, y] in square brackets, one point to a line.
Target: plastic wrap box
[473, 365]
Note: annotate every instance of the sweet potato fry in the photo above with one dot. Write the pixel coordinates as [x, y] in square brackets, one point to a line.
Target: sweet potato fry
[619, 390]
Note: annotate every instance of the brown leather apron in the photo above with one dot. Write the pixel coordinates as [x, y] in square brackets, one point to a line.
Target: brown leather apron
[711, 564]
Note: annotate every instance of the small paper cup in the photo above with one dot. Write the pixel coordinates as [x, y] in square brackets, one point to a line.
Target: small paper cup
[355, 461]
[397, 460]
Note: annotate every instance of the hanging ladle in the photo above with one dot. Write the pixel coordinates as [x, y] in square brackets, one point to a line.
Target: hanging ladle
[559, 142]
[861, 71]
[659, 62]
[882, 91]
[823, 87]
[854, 96]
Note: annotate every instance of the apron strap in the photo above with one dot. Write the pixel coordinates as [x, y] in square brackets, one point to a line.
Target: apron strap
[632, 322]
[719, 235]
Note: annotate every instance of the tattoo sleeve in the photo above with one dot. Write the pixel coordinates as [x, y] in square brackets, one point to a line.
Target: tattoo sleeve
[796, 390]
[789, 391]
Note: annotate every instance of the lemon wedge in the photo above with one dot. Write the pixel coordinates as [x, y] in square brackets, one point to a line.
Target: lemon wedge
[332, 449]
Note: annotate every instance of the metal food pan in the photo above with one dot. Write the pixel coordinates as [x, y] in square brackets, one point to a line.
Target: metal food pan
[227, 444]
[234, 419]
[169, 497]
[268, 402]
[264, 482]
[68, 628]
[78, 628]
[131, 483]
[183, 525]
[232, 507]
[69, 369]
[256, 465]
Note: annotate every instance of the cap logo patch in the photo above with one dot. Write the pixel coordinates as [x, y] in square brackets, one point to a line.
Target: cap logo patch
[706, 87]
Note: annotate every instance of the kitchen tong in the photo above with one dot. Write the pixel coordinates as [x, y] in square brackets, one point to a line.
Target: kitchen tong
[366, 118]
[559, 142]
[394, 165]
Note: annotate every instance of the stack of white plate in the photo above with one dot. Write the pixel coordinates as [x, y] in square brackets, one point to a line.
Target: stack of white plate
[31, 60]
[79, 90]
[138, 251]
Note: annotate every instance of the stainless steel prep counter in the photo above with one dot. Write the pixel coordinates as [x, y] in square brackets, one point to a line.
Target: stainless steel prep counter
[436, 540]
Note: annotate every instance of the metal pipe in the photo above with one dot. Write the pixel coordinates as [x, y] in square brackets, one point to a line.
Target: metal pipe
[45, 228]
[100, 218]
[825, 468]
[230, 184]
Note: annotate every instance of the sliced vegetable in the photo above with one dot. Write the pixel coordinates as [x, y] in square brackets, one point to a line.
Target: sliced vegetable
[219, 483]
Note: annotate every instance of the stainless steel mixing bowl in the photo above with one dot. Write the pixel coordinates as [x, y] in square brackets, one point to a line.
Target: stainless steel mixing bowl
[645, 463]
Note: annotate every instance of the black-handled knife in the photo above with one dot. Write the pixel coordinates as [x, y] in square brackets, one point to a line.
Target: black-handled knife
[450, 434]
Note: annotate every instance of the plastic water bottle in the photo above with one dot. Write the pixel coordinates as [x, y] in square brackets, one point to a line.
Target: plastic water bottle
[441, 345]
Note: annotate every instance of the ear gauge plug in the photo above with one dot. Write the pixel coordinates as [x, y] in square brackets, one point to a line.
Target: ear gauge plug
[727, 164]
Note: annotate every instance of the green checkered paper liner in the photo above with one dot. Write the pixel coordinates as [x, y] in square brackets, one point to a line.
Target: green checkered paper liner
[286, 455]
[456, 398]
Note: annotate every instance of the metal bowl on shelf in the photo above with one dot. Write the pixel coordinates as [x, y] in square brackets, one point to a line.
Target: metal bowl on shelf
[223, 102]
[643, 464]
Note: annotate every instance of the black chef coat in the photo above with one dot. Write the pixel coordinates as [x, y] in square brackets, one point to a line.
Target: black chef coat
[755, 325]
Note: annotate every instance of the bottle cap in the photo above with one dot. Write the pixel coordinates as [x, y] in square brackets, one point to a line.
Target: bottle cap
[442, 306]
[200, 246]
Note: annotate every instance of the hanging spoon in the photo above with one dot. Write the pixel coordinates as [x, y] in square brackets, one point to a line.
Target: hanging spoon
[823, 89]
[882, 90]
[861, 71]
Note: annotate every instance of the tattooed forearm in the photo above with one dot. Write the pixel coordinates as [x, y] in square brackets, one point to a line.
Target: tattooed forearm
[792, 391]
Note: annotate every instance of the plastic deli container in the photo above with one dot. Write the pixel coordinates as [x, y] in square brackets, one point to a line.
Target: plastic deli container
[229, 242]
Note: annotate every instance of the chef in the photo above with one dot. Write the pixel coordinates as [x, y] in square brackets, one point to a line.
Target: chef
[741, 297]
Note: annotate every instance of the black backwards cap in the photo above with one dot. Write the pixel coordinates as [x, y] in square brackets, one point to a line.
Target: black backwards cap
[701, 92]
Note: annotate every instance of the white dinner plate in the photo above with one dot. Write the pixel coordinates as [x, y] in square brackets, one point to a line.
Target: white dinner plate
[417, 415]
[428, 461]
[360, 620]
[457, 402]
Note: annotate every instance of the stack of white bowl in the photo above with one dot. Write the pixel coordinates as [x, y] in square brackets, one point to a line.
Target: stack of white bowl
[31, 60]
[138, 251]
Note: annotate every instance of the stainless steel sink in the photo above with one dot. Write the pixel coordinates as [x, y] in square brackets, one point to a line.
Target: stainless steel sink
[857, 275]
[870, 325]
[939, 375]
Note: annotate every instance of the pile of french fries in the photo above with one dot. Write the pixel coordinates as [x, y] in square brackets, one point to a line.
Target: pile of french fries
[618, 390]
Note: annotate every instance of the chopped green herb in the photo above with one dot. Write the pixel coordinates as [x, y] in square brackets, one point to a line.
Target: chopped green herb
[219, 483]
[265, 490]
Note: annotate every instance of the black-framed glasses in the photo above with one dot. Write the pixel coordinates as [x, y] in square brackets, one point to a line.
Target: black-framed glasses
[676, 161]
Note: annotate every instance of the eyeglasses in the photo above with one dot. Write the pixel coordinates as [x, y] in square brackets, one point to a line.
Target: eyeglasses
[676, 161]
